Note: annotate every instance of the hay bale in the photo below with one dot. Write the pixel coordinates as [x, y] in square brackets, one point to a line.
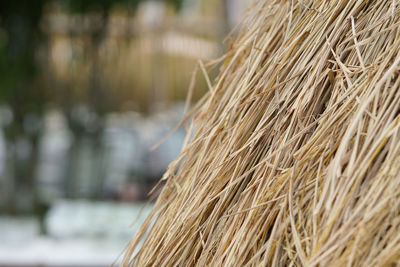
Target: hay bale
[295, 156]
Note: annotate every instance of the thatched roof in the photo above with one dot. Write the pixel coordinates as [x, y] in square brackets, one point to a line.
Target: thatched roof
[293, 157]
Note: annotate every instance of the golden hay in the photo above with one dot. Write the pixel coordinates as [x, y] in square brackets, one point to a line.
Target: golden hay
[293, 158]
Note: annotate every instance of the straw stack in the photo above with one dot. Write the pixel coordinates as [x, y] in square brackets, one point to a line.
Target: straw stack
[293, 158]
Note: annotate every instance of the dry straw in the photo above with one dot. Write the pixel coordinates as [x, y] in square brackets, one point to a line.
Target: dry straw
[293, 158]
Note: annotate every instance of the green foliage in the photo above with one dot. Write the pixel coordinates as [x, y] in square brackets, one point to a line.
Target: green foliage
[19, 35]
[80, 6]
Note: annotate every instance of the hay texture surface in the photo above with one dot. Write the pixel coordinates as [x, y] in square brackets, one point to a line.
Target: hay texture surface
[293, 157]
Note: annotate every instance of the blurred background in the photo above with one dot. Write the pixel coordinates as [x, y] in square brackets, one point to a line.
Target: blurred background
[87, 87]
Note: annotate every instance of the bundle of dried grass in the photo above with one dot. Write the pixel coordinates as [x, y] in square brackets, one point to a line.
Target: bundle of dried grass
[295, 156]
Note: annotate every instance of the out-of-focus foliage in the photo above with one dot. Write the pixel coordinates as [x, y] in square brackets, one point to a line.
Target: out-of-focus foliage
[19, 35]
[87, 5]
[19, 39]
